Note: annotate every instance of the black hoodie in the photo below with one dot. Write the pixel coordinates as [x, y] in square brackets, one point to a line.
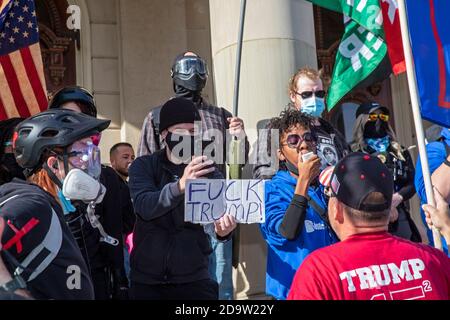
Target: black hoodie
[28, 212]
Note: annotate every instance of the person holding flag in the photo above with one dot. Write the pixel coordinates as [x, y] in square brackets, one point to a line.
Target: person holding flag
[438, 154]
[425, 24]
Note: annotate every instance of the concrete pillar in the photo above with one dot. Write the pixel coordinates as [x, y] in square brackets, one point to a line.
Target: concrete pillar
[151, 34]
[278, 39]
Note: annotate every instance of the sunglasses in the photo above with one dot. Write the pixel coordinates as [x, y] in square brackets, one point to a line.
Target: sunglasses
[294, 140]
[383, 117]
[308, 94]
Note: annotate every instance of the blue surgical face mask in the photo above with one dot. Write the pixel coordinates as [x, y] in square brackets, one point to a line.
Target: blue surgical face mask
[67, 206]
[378, 144]
[313, 106]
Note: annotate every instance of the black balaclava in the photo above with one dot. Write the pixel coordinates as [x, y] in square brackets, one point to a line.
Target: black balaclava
[190, 89]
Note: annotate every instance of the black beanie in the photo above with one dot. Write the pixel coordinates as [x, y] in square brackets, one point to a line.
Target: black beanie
[177, 110]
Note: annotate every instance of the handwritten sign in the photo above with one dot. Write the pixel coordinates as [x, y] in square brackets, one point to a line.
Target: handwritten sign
[208, 200]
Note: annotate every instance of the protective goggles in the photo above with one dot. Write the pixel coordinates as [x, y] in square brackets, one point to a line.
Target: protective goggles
[374, 116]
[190, 65]
[308, 94]
[85, 155]
[294, 140]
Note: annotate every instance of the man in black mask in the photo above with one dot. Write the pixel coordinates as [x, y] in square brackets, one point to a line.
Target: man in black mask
[9, 168]
[190, 73]
[170, 256]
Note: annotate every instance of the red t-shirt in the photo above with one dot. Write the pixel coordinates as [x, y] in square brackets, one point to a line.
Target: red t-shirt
[373, 266]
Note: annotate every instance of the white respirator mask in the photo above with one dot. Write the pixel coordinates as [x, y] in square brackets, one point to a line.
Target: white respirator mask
[78, 185]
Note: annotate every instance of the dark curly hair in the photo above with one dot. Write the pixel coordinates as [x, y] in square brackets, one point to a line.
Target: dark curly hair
[287, 119]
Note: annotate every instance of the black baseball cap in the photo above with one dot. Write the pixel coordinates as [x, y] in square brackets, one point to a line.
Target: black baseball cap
[356, 176]
[368, 107]
[177, 110]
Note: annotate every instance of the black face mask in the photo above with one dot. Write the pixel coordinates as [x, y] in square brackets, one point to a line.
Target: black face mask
[182, 152]
[376, 129]
[182, 92]
[195, 83]
[10, 168]
[291, 167]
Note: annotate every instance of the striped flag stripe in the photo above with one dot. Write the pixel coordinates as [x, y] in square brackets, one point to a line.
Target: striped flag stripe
[13, 82]
[6, 97]
[34, 80]
[25, 86]
[3, 114]
[4, 4]
[35, 50]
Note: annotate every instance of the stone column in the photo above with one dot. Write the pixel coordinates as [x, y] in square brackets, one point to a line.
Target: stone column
[278, 39]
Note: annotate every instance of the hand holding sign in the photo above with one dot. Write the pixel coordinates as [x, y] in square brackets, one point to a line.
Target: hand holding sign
[197, 168]
[224, 225]
[207, 200]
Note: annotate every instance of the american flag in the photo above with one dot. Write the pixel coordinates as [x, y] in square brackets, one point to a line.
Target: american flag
[22, 82]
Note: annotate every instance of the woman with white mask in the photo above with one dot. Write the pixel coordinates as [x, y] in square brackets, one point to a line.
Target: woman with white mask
[62, 166]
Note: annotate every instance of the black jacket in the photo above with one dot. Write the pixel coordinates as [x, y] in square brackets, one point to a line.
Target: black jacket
[33, 215]
[166, 249]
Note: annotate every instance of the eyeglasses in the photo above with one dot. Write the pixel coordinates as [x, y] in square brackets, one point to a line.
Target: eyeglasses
[294, 140]
[383, 117]
[308, 94]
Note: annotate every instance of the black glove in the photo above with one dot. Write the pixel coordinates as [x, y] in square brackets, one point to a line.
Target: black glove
[120, 285]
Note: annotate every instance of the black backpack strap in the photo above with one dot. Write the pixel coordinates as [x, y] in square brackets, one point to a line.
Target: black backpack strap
[322, 213]
[155, 124]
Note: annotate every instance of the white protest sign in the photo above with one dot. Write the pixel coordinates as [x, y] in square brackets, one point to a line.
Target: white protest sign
[207, 200]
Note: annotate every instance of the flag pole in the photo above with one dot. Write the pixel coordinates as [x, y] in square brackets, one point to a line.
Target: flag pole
[412, 82]
[235, 169]
[238, 58]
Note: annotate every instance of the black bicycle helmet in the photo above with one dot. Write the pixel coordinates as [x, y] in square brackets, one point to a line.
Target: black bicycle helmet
[76, 94]
[50, 129]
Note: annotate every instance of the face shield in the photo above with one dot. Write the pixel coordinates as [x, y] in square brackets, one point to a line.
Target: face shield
[85, 155]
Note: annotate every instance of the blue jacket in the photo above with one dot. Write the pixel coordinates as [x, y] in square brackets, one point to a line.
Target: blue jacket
[436, 155]
[284, 256]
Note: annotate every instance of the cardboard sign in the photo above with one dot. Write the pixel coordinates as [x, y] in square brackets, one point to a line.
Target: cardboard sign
[208, 200]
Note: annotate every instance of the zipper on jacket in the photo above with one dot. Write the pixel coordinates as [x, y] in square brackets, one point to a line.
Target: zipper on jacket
[166, 261]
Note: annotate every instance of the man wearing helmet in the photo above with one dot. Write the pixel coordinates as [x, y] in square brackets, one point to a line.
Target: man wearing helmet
[61, 163]
[190, 73]
[115, 212]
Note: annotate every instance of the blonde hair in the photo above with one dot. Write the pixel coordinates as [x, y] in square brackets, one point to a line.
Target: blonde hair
[307, 72]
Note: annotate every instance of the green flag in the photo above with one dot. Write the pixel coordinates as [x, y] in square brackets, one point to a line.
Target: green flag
[362, 47]
[367, 13]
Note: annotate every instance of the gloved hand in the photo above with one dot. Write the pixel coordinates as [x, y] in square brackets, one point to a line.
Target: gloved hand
[120, 285]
